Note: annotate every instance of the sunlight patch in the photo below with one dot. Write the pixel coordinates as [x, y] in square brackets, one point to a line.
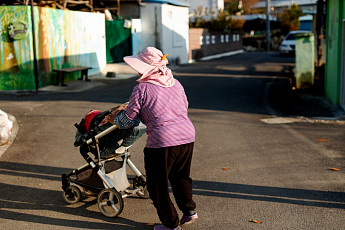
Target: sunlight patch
[281, 120]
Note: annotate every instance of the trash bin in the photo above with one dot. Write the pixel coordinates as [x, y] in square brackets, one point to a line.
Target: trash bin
[304, 60]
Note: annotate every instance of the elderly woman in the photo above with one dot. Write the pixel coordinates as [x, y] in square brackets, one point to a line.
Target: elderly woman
[160, 102]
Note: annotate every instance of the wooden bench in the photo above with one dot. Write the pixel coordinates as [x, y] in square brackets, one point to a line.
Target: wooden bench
[61, 73]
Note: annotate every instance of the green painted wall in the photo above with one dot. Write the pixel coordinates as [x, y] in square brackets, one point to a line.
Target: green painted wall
[335, 16]
[118, 42]
[63, 39]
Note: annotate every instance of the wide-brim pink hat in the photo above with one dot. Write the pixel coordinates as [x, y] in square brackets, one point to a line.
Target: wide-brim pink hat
[149, 57]
[136, 63]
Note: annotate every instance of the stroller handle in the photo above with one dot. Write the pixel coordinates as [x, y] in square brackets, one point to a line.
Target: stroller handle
[102, 134]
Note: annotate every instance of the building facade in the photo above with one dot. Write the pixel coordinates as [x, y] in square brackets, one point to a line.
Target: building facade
[212, 7]
[163, 24]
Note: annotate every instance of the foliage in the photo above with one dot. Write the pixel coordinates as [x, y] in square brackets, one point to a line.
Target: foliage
[290, 18]
[237, 6]
[222, 23]
[248, 6]
[232, 7]
[237, 24]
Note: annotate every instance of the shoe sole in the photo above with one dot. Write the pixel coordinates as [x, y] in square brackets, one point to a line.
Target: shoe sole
[190, 222]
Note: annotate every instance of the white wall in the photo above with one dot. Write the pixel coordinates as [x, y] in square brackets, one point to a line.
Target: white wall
[137, 36]
[94, 31]
[151, 20]
[82, 40]
[175, 33]
[166, 28]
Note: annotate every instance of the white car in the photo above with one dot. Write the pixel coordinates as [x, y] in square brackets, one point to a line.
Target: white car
[287, 47]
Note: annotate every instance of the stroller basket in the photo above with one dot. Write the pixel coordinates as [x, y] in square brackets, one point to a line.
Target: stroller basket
[114, 169]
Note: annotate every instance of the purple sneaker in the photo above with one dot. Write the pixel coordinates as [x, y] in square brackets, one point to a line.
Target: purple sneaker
[189, 219]
[162, 227]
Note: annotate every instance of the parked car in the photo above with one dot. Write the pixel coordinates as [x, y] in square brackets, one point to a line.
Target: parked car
[287, 47]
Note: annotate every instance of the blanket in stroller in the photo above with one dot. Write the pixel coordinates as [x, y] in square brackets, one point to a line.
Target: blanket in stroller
[91, 125]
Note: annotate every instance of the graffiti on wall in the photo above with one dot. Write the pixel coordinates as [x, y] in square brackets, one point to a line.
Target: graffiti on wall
[63, 39]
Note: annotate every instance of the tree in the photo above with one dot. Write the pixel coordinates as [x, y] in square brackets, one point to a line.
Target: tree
[248, 6]
[240, 6]
[222, 23]
[289, 19]
[231, 6]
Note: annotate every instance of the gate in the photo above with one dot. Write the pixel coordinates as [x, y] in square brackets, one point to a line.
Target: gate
[118, 41]
[342, 80]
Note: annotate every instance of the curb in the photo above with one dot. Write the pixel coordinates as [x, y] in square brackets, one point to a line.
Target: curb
[337, 112]
[216, 56]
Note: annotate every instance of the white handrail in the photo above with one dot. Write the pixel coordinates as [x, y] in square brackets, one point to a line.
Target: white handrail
[102, 134]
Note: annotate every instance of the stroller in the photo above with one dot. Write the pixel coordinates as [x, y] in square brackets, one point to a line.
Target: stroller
[104, 175]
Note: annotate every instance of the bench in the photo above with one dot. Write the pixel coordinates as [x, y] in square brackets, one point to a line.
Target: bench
[61, 73]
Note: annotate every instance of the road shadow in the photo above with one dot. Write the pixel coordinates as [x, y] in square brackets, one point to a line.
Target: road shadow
[229, 84]
[248, 83]
[22, 202]
[18, 202]
[314, 198]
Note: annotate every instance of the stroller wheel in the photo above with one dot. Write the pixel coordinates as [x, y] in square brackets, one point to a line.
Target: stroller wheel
[110, 202]
[72, 194]
[139, 183]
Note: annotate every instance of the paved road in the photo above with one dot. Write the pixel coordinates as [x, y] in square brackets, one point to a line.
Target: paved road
[244, 168]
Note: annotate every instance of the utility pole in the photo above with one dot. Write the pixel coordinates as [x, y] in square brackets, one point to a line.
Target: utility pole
[34, 45]
[268, 26]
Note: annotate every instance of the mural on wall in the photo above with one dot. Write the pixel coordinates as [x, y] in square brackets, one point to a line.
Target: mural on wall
[16, 66]
[63, 39]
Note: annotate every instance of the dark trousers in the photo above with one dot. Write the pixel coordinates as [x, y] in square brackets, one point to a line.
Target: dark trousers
[170, 164]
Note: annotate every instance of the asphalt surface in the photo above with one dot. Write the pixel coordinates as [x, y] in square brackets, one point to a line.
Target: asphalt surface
[263, 151]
